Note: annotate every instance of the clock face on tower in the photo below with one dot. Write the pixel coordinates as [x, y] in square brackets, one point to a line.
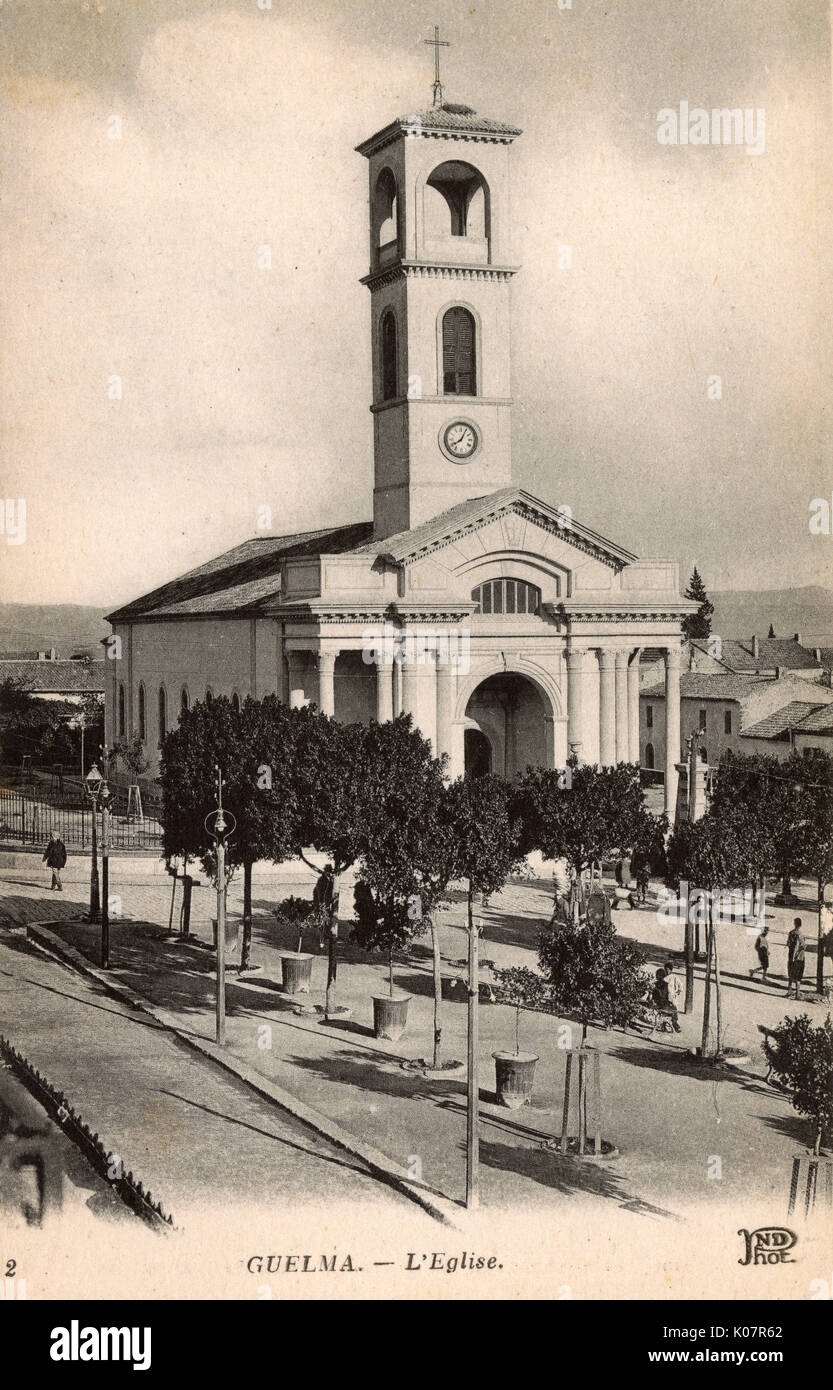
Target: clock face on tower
[460, 440]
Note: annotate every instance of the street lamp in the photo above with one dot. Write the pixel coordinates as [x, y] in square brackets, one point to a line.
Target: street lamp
[93, 783]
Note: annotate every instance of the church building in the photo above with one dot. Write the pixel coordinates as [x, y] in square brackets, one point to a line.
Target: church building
[510, 630]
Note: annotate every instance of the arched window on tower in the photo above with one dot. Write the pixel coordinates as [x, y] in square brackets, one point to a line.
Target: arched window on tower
[459, 353]
[390, 373]
[385, 212]
[456, 201]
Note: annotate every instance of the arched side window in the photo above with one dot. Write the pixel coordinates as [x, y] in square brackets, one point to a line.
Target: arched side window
[162, 712]
[459, 353]
[235, 702]
[183, 699]
[142, 713]
[390, 372]
[649, 756]
[208, 695]
[385, 212]
[121, 717]
[506, 596]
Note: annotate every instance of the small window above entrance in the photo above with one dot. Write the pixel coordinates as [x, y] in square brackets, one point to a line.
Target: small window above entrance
[506, 596]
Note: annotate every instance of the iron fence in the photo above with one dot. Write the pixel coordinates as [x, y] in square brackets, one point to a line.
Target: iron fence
[28, 817]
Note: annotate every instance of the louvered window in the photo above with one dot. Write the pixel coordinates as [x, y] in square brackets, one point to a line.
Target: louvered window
[459, 354]
[510, 596]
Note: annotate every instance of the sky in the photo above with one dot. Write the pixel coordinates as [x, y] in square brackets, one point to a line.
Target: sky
[160, 386]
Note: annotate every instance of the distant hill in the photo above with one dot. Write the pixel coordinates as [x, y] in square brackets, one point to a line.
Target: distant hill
[744, 612]
[68, 627]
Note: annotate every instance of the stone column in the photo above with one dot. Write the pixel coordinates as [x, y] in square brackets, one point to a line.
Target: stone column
[384, 691]
[410, 688]
[578, 677]
[622, 740]
[607, 709]
[326, 681]
[295, 669]
[633, 707]
[445, 705]
[672, 729]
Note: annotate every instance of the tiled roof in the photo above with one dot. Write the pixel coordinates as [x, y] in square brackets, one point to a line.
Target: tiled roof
[708, 685]
[58, 677]
[736, 654]
[450, 116]
[818, 721]
[241, 579]
[782, 720]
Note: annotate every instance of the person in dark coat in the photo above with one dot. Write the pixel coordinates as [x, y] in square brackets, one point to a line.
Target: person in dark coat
[55, 857]
[795, 959]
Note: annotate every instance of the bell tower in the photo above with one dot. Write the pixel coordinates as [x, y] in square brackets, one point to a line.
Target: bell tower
[439, 284]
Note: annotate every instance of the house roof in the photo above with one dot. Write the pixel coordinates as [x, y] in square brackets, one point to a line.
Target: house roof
[56, 677]
[818, 721]
[710, 685]
[736, 654]
[247, 579]
[449, 116]
[781, 720]
[239, 580]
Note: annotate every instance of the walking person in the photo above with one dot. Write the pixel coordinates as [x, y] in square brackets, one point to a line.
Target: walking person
[762, 950]
[55, 857]
[795, 958]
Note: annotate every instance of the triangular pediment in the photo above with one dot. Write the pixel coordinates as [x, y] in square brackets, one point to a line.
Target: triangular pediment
[514, 519]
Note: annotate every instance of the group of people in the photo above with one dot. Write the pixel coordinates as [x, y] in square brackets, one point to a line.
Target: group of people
[796, 956]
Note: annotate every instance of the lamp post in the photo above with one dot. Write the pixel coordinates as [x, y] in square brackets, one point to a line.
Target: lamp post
[221, 825]
[104, 799]
[93, 783]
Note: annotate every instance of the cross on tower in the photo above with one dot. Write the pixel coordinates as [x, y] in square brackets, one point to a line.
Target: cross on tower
[437, 43]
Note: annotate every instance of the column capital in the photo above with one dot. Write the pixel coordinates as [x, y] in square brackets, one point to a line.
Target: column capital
[623, 656]
[672, 656]
[327, 659]
[606, 658]
[577, 658]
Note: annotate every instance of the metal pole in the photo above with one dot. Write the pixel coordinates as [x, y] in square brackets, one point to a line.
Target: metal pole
[95, 897]
[105, 884]
[472, 1140]
[221, 943]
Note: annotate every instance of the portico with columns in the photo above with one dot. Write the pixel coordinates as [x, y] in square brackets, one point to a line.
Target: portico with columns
[511, 632]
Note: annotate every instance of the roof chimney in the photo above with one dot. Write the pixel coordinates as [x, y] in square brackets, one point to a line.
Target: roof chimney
[755, 647]
[779, 671]
[817, 655]
[797, 638]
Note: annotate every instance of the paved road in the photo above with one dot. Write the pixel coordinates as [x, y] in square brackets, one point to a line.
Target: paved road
[192, 1134]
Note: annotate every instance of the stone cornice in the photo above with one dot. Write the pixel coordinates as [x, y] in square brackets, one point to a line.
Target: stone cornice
[411, 131]
[639, 613]
[349, 613]
[434, 270]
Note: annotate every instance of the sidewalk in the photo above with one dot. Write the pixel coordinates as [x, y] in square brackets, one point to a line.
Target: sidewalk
[194, 1135]
[665, 1115]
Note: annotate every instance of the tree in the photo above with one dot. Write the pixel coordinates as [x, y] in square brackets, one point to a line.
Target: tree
[254, 749]
[801, 1056]
[585, 816]
[488, 849]
[521, 988]
[713, 854]
[410, 861]
[812, 771]
[699, 624]
[593, 974]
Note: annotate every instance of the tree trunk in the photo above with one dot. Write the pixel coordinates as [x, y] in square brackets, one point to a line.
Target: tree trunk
[820, 946]
[718, 996]
[707, 998]
[438, 992]
[473, 1089]
[332, 962]
[689, 967]
[390, 972]
[246, 943]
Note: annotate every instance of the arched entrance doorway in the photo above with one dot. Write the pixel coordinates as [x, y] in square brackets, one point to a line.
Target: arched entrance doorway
[509, 726]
